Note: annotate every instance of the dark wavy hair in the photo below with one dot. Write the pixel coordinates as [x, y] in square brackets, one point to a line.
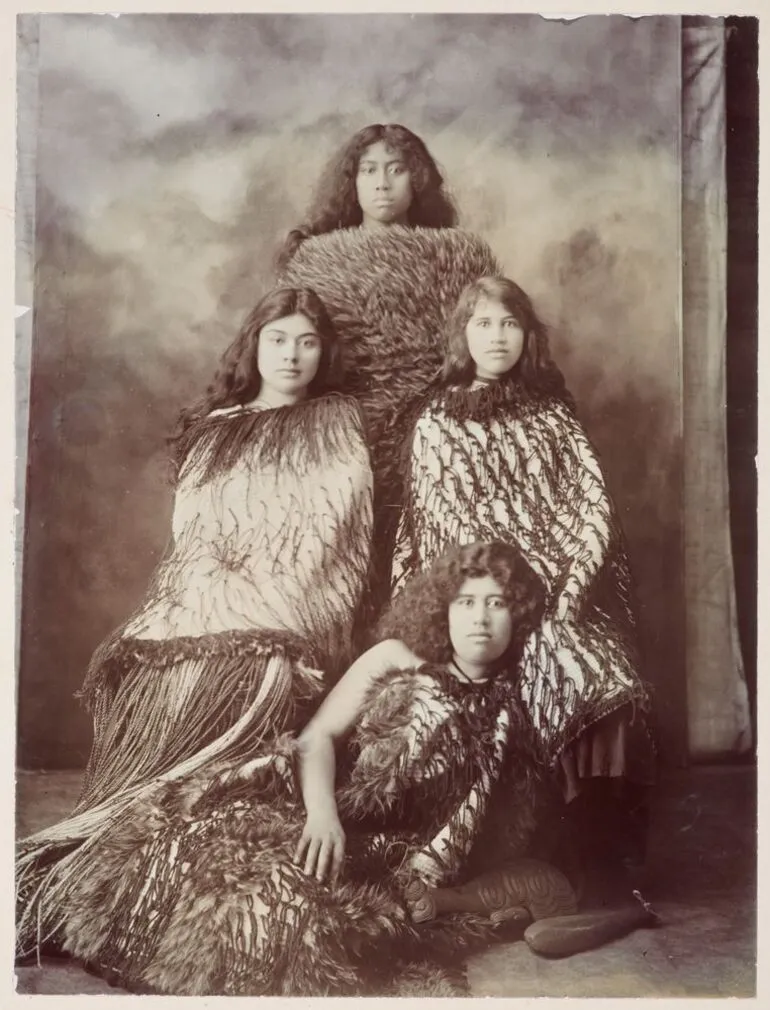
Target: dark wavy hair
[535, 369]
[335, 204]
[419, 616]
[237, 380]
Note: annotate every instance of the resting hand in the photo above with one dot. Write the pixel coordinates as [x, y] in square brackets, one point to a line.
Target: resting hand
[321, 847]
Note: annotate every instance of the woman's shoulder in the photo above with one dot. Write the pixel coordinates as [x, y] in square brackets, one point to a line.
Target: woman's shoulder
[238, 410]
[339, 408]
[385, 665]
[507, 401]
[393, 654]
[560, 414]
[444, 246]
[329, 401]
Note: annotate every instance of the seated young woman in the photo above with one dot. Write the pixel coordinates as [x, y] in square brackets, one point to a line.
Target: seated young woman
[255, 600]
[290, 873]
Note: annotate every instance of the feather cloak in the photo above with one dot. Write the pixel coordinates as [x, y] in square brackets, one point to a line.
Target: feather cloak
[193, 891]
[389, 294]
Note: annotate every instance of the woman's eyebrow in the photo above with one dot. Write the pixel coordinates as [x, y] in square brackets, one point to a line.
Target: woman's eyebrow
[390, 161]
[300, 336]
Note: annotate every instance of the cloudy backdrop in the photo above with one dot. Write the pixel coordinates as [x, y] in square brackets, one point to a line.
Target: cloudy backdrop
[167, 157]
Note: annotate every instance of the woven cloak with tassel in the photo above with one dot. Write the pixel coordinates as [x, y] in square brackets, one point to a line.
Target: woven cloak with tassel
[501, 463]
[253, 604]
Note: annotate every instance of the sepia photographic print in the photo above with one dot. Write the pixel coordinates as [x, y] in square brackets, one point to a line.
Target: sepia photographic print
[386, 552]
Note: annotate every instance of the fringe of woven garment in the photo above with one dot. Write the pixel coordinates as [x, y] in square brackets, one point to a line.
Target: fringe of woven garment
[173, 699]
[499, 463]
[272, 533]
[48, 862]
[192, 891]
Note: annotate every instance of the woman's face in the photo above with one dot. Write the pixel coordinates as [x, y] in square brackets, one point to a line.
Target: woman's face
[480, 623]
[383, 187]
[495, 339]
[288, 356]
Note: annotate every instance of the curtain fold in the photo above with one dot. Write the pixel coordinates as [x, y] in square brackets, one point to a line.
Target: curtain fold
[27, 62]
[718, 705]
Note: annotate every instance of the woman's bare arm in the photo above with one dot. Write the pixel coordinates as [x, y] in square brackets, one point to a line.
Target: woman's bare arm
[322, 844]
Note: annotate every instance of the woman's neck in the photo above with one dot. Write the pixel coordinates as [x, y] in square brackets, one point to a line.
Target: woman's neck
[372, 224]
[463, 670]
[275, 398]
[480, 383]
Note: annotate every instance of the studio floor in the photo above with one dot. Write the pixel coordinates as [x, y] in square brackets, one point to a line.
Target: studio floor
[700, 878]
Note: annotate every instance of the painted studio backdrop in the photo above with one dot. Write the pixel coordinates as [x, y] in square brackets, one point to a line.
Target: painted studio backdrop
[162, 159]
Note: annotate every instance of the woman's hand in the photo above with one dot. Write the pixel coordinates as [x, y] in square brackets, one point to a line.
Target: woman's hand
[321, 846]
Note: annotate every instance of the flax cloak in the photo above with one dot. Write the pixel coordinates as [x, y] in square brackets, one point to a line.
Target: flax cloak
[502, 463]
[252, 606]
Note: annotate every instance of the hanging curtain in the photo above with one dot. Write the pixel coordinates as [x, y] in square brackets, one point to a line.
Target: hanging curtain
[717, 696]
[27, 62]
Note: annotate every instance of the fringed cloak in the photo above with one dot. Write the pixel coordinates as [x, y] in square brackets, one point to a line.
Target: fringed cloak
[389, 294]
[271, 543]
[255, 601]
[498, 463]
[193, 891]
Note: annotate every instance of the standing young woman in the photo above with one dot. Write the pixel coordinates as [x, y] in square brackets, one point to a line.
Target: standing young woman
[381, 248]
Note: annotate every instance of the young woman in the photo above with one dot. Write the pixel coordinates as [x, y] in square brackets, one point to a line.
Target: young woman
[384, 174]
[497, 452]
[381, 250]
[271, 543]
[262, 877]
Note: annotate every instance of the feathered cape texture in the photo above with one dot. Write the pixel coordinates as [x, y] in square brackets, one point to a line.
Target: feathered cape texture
[389, 294]
[192, 891]
[501, 463]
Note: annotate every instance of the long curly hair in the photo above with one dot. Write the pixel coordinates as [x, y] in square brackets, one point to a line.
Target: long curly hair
[237, 380]
[419, 615]
[335, 204]
[535, 369]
